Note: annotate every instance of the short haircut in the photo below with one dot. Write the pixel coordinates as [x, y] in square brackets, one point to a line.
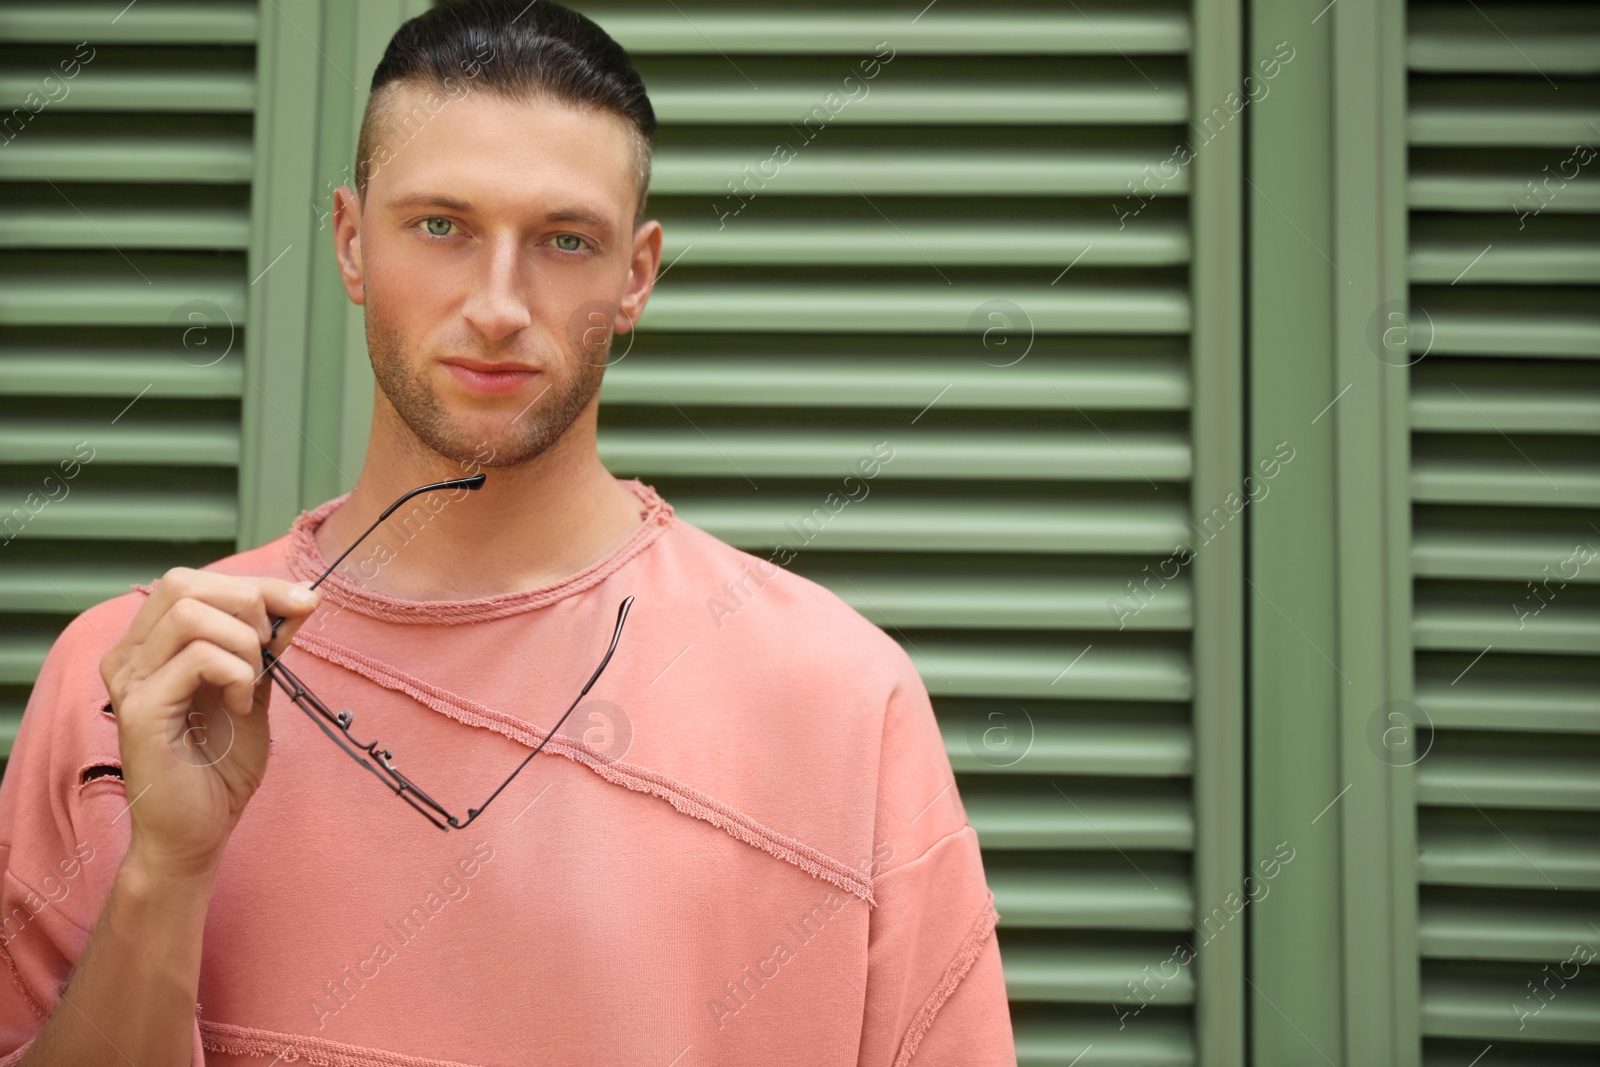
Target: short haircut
[516, 50]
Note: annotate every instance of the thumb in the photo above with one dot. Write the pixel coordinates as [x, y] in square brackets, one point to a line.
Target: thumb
[292, 622]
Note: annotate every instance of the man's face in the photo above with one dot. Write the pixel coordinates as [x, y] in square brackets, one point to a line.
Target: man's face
[495, 254]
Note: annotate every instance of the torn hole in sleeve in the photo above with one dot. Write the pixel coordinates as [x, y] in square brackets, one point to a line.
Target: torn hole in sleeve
[102, 774]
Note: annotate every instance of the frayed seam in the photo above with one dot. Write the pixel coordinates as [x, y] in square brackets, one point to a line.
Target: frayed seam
[304, 561]
[22, 987]
[966, 956]
[684, 798]
[294, 1048]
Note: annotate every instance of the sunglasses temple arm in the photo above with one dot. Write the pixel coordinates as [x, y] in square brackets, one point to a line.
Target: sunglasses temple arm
[622, 615]
[474, 482]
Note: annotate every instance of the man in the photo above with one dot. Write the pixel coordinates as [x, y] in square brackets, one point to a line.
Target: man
[745, 848]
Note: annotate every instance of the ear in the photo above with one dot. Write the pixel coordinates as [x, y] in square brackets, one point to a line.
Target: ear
[347, 242]
[642, 268]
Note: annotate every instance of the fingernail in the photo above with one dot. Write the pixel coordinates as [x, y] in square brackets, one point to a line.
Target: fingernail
[303, 597]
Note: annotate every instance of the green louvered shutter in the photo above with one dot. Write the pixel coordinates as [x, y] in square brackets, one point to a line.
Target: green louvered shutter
[125, 216]
[840, 296]
[1505, 413]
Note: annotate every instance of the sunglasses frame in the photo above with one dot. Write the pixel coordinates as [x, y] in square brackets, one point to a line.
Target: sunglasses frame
[384, 769]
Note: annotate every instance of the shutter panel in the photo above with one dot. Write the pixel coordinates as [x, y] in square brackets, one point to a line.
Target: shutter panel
[126, 207]
[843, 301]
[1505, 414]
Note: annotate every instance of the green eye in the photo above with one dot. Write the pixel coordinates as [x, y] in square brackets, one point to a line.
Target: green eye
[438, 227]
[575, 245]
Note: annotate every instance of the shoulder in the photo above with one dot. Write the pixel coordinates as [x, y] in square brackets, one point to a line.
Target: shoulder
[857, 686]
[757, 600]
[65, 725]
[266, 561]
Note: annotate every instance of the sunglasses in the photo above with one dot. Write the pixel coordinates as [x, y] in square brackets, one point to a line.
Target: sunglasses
[380, 761]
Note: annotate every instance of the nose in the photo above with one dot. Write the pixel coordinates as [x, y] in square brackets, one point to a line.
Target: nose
[497, 306]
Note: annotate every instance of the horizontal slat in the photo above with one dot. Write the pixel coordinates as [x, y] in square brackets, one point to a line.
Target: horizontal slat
[1487, 779]
[930, 172]
[1525, 262]
[1096, 30]
[1530, 40]
[1427, 189]
[1465, 333]
[1038, 817]
[696, 449]
[1451, 53]
[70, 588]
[1569, 705]
[737, 240]
[10, 722]
[114, 300]
[1492, 554]
[1482, 125]
[171, 89]
[1146, 1040]
[118, 22]
[121, 515]
[1515, 930]
[1032, 668]
[1509, 406]
[1540, 481]
[1515, 625]
[1484, 1011]
[912, 524]
[21, 656]
[1068, 893]
[930, 308]
[102, 227]
[1513, 859]
[1090, 974]
[1033, 382]
[977, 600]
[127, 158]
[903, 101]
[1042, 744]
[123, 371]
[196, 443]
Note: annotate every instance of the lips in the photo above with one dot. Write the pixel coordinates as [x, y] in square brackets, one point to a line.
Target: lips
[482, 377]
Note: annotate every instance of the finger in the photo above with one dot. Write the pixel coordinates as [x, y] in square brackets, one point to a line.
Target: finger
[169, 692]
[189, 620]
[291, 605]
[228, 592]
[247, 598]
[220, 667]
[291, 626]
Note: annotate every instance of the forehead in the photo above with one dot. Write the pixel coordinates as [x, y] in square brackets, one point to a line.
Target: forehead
[500, 152]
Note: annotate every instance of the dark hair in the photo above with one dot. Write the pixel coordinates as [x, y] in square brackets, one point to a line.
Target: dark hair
[516, 50]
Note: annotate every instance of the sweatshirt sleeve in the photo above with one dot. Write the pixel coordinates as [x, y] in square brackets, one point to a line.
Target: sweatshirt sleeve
[935, 991]
[63, 827]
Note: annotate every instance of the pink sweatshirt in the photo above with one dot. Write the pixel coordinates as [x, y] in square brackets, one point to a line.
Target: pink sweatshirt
[746, 847]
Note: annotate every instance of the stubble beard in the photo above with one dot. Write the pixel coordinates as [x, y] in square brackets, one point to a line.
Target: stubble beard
[571, 386]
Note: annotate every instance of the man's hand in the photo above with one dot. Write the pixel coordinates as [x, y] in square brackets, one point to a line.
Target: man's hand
[190, 694]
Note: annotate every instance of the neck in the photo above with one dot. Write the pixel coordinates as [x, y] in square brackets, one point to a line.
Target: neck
[529, 526]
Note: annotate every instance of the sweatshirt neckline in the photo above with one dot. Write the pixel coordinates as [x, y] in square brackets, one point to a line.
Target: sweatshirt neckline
[305, 562]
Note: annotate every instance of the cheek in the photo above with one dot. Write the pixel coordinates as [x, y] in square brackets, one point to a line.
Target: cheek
[413, 281]
[404, 313]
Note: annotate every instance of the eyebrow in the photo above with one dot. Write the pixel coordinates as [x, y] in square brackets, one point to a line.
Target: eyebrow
[432, 200]
[447, 203]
